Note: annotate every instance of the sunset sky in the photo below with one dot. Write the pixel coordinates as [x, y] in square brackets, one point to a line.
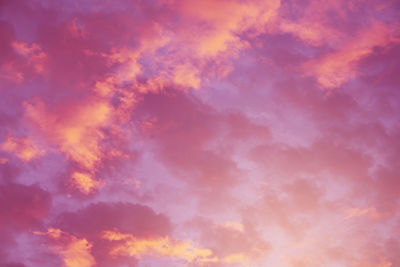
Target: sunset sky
[200, 133]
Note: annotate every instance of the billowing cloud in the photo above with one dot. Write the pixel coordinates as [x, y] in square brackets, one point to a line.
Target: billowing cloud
[22, 148]
[166, 248]
[340, 66]
[161, 247]
[199, 133]
[73, 251]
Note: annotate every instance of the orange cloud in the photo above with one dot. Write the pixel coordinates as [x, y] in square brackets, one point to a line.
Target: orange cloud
[338, 67]
[80, 137]
[157, 247]
[78, 134]
[129, 67]
[311, 32]
[221, 28]
[165, 247]
[234, 226]
[313, 26]
[187, 75]
[84, 182]
[236, 258]
[369, 212]
[75, 252]
[383, 262]
[208, 35]
[23, 148]
[105, 88]
[303, 261]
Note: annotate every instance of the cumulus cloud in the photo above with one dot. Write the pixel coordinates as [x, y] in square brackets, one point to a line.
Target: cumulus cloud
[199, 133]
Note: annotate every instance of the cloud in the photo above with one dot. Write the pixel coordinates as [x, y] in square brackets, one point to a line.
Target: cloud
[89, 223]
[161, 247]
[73, 251]
[357, 212]
[130, 218]
[340, 66]
[199, 133]
[77, 134]
[23, 206]
[167, 248]
[231, 242]
[84, 182]
[22, 148]
[32, 52]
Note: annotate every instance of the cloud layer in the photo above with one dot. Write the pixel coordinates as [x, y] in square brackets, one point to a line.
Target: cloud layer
[199, 133]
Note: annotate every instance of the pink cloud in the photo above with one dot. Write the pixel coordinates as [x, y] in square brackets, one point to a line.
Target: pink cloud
[199, 133]
[339, 67]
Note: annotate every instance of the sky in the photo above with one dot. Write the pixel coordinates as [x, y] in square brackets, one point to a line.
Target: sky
[212, 133]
